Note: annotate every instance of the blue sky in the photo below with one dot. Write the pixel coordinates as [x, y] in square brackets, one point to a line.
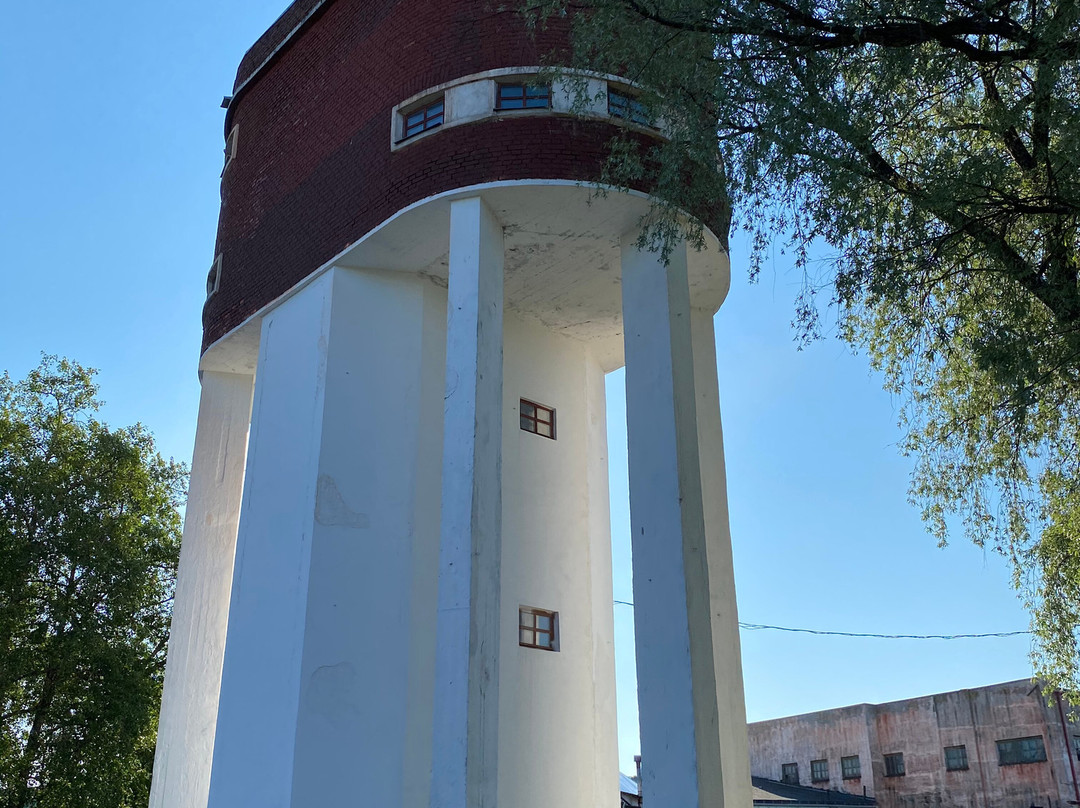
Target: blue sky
[111, 136]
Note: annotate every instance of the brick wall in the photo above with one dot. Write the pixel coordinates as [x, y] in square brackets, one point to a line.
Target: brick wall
[314, 171]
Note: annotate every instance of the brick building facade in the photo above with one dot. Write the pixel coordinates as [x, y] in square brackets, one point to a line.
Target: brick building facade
[999, 746]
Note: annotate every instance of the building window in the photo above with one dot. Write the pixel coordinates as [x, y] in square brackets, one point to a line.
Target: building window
[538, 628]
[537, 418]
[894, 765]
[956, 758]
[523, 96]
[850, 767]
[819, 771]
[213, 277]
[623, 105]
[422, 118]
[230, 147]
[789, 773]
[1021, 750]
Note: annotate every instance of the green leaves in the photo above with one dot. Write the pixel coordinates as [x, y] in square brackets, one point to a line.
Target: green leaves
[89, 542]
[933, 146]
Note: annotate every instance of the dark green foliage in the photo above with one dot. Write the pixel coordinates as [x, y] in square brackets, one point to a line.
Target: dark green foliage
[89, 542]
[931, 149]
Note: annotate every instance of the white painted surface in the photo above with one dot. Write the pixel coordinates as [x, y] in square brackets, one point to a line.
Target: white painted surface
[189, 703]
[342, 519]
[557, 729]
[470, 101]
[727, 651]
[317, 686]
[562, 261]
[466, 742]
[677, 692]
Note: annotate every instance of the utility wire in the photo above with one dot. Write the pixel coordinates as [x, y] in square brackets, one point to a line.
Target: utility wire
[763, 627]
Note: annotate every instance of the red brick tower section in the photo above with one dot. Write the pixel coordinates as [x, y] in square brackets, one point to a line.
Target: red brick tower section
[313, 169]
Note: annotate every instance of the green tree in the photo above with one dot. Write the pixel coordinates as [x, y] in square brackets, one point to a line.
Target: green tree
[931, 149]
[89, 542]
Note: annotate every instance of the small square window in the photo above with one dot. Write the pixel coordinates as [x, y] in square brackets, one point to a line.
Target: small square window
[537, 418]
[956, 758]
[523, 96]
[538, 628]
[1021, 750]
[789, 773]
[422, 118]
[894, 765]
[850, 767]
[819, 771]
[623, 105]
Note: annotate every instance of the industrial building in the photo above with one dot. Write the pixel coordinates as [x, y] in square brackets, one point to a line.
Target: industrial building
[1001, 746]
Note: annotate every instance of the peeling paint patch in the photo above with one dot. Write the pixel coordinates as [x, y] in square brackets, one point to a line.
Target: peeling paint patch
[330, 507]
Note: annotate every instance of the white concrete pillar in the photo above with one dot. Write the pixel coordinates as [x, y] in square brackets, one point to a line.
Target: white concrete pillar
[189, 703]
[318, 688]
[727, 649]
[465, 742]
[677, 686]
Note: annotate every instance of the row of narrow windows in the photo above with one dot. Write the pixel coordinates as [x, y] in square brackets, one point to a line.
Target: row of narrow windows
[520, 95]
[1010, 752]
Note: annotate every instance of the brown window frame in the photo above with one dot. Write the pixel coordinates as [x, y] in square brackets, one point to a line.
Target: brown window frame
[427, 120]
[530, 91]
[786, 772]
[816, 775]
[526, 613]
[531, 423]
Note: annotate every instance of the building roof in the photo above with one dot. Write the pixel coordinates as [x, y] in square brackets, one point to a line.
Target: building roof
[628, 785]
[773, 792]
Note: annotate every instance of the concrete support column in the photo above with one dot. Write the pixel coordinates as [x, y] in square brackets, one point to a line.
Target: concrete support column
[677, 684]
[727, 654]
[465, 738]
[319, 691]
[189, 703]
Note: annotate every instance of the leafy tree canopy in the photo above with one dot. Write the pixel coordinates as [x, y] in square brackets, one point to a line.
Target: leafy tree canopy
[934, 147]
[89, 542]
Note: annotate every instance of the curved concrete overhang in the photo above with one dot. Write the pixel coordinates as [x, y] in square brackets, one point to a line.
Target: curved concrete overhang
[562, 262]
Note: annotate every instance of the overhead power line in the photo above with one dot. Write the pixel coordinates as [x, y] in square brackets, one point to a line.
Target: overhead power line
[764, 627]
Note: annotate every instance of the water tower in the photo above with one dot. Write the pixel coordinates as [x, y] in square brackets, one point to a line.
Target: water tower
[395, 584]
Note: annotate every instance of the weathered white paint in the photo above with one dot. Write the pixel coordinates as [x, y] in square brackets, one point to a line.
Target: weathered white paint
[189, 703]
[342, 521]
[557, 729]
[562, 261]
[466, 741]
[677, 688]
[317, 699]
[469, 101]
[727, 653]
